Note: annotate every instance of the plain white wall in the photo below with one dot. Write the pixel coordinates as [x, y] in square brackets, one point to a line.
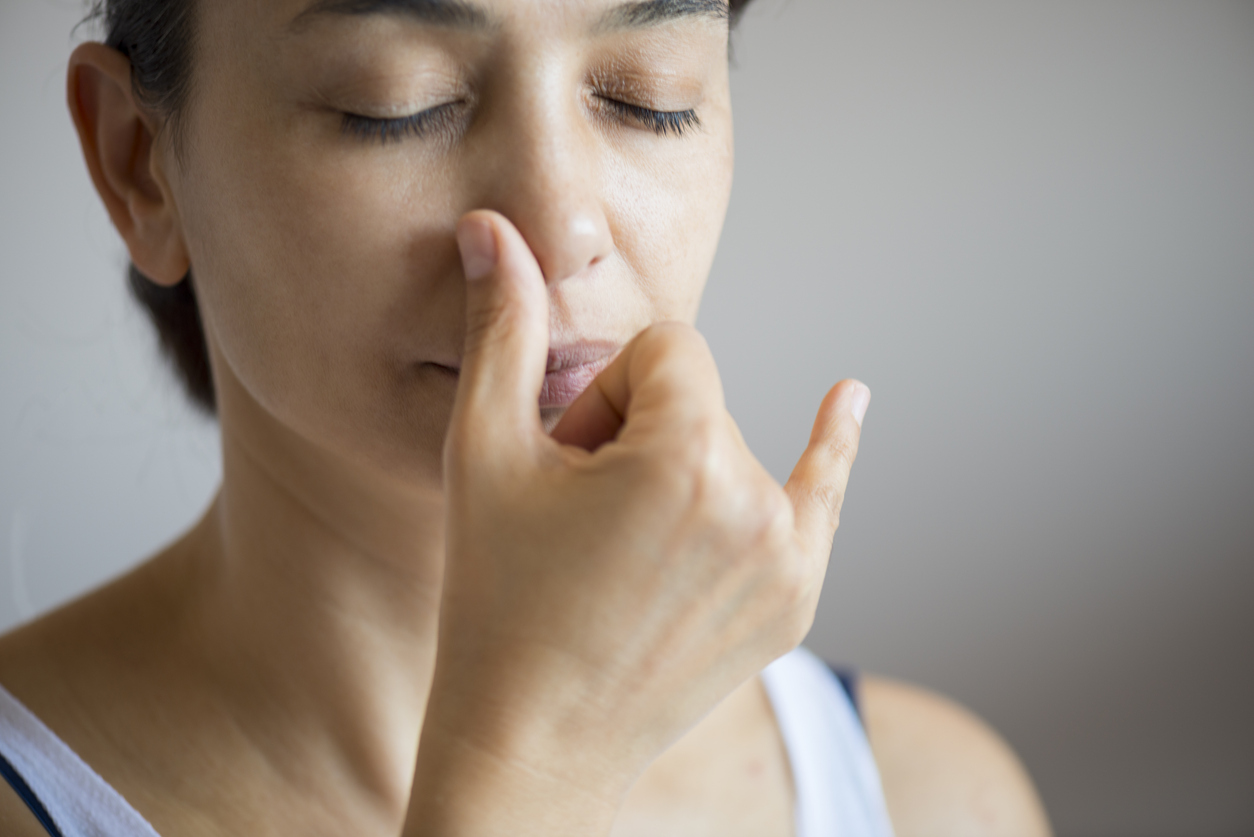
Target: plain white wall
[1029, 227]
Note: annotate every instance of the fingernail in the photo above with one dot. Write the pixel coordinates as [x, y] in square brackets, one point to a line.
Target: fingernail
[477, 243]
[859, 401]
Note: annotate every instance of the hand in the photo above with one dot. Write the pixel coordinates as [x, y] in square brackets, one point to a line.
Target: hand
[607, 585]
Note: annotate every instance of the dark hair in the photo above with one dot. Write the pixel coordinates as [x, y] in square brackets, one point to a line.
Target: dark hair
[157, 37]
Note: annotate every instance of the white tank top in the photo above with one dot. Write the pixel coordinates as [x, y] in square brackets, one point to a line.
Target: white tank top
[837, 785]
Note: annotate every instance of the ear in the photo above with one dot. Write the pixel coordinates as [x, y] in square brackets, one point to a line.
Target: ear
[126, 164]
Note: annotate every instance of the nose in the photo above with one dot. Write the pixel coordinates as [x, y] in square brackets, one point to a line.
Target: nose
[545, 175]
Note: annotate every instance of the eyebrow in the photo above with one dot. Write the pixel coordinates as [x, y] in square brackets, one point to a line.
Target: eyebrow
[652, 12]
[458, 14]
[463, 14]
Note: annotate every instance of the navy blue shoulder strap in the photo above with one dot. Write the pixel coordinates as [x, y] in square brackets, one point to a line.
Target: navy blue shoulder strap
[24, 793]
[849, 682]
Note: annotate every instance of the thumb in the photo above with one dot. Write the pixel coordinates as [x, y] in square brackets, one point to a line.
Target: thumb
[507, 335]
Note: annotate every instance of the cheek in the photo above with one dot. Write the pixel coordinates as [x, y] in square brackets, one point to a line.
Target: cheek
[321, 278]
[304, 258]
[668, 216]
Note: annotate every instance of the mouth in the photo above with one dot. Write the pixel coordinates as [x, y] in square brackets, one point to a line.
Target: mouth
[570, 369]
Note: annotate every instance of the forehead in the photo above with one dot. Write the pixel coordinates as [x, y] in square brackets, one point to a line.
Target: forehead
[595, 16]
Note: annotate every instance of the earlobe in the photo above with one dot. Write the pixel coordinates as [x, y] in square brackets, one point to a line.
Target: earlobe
[118, 137]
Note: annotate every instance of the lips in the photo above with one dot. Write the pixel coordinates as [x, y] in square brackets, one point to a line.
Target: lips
[570, 369]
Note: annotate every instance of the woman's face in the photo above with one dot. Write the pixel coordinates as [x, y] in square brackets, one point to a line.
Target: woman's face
[331, 146]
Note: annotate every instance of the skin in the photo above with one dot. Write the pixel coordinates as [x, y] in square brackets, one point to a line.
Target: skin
[418, 604]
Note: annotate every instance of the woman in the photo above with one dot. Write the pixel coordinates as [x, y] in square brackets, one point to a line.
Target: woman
[418, 604]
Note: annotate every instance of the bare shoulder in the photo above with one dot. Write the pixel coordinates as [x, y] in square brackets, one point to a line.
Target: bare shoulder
[946, 772]
[16, 820]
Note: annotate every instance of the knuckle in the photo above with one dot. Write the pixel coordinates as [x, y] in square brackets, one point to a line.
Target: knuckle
[698, 451]
[829, 497]
[491, 323]
[842, 450]
[772, 520]
[670, 485]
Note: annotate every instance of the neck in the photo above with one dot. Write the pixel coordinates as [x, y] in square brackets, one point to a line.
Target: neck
[317, 592]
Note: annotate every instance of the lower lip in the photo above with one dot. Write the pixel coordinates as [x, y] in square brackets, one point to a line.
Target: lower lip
[561, 386]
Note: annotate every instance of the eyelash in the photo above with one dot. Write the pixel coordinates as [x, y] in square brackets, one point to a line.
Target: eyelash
[660, 122]
[384, 131]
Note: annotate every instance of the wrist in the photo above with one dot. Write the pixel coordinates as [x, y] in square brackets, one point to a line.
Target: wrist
[463, 788]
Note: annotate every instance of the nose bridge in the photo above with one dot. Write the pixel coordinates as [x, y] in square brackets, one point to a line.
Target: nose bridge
[546, 162]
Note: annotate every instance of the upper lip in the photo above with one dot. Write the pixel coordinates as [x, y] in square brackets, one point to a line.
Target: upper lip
[580, 353]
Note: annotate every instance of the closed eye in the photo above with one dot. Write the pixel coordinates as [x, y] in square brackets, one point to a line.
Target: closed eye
[438, 119]
[442, 118]
[661, 122]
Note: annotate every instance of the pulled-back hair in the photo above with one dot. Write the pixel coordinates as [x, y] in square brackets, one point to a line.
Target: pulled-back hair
[157, 36]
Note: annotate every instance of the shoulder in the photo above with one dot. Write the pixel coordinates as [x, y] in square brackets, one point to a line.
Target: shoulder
[945, 771]
[16, 820]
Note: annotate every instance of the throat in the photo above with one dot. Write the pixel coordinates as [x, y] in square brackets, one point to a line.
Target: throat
[321, 662]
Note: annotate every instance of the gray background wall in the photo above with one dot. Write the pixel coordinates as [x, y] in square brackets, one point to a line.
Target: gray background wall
[1028, 226]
